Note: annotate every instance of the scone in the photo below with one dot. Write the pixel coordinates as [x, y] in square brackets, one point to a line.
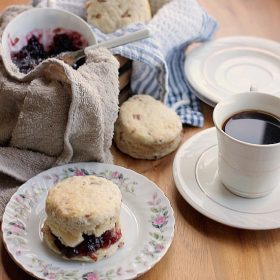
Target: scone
[110, 15]
[147, 129]
[83, 218]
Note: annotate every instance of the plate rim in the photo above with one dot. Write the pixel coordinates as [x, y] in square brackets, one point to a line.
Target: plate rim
[197, 207]
[137, 273]
[210, 99]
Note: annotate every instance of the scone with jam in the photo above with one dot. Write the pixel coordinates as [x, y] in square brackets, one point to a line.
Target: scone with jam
[83, 218]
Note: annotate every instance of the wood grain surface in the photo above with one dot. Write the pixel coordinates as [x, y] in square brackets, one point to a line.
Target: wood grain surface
[202, 248]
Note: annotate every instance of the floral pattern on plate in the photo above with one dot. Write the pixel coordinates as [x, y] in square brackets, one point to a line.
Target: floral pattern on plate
[146, 212]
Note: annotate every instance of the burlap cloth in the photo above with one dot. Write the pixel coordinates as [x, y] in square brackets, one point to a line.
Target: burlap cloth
[55, 115]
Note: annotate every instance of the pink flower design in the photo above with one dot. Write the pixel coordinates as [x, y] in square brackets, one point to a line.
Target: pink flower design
[19, 199]
[51, 276]
[115, 174]
[159, 221]
[15, 229]
[79, 173]
[159, 247]
[91, 276]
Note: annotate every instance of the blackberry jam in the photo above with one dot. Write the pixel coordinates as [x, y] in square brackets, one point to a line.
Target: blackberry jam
[29, 56]
[90, 244]
[34, 52]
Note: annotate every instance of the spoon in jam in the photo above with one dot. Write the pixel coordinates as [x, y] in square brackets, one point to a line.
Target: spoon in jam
[73, 58]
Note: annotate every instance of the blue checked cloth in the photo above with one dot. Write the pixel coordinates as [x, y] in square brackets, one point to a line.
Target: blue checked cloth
[158, 62]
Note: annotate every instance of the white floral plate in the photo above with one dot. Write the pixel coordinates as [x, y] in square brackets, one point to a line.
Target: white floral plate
[146, 217]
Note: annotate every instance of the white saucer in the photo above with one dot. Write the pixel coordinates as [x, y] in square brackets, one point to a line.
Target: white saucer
[196, 178]
[232, 65]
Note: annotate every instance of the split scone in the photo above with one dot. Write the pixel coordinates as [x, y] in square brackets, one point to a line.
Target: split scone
[146, 128]
[83, 215]
[110, 15]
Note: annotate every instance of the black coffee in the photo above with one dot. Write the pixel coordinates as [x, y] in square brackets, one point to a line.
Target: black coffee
[253, 127]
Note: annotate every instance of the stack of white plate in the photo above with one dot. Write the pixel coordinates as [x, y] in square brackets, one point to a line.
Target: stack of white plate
[233, 65]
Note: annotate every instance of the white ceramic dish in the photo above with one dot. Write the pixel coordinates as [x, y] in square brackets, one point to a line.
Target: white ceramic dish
[39, 19]
[232, 65]
[147, 222]
[196, 177]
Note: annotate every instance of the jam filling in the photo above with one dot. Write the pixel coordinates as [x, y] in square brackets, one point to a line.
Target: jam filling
[34, 52]
[90, 244]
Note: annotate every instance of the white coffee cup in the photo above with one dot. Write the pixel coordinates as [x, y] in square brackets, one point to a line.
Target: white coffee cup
[247, 170]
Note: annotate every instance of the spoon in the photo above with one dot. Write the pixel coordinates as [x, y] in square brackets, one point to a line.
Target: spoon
[72, 58]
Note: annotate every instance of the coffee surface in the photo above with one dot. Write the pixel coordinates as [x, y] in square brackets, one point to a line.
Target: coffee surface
[255, 127]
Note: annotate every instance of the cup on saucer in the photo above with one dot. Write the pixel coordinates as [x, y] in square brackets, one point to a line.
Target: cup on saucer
[248, 132]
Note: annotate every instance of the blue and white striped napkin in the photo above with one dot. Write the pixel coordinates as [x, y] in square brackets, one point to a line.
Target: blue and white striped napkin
[158, 62]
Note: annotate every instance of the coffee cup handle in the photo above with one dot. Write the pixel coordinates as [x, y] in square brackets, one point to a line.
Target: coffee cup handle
[253, 88]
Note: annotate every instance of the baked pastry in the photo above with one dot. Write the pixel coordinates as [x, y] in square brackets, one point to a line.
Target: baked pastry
[110, 15]
[146, 128]
[83, 218]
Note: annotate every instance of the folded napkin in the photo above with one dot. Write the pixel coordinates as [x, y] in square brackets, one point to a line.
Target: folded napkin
[158, 62]
[55, 115]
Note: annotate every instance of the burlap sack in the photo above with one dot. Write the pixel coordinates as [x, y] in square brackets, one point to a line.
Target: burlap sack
[55, 115]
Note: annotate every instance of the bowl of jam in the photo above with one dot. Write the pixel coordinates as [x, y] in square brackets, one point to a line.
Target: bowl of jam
[41, 33]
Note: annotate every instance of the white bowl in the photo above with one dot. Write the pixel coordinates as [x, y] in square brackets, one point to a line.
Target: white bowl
[34, 20]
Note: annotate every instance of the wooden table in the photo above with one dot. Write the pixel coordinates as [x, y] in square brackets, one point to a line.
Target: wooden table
[202, 248]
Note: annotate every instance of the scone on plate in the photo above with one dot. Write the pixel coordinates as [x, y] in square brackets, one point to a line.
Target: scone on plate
[110, 15]
[83, 218]
[146, 128]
